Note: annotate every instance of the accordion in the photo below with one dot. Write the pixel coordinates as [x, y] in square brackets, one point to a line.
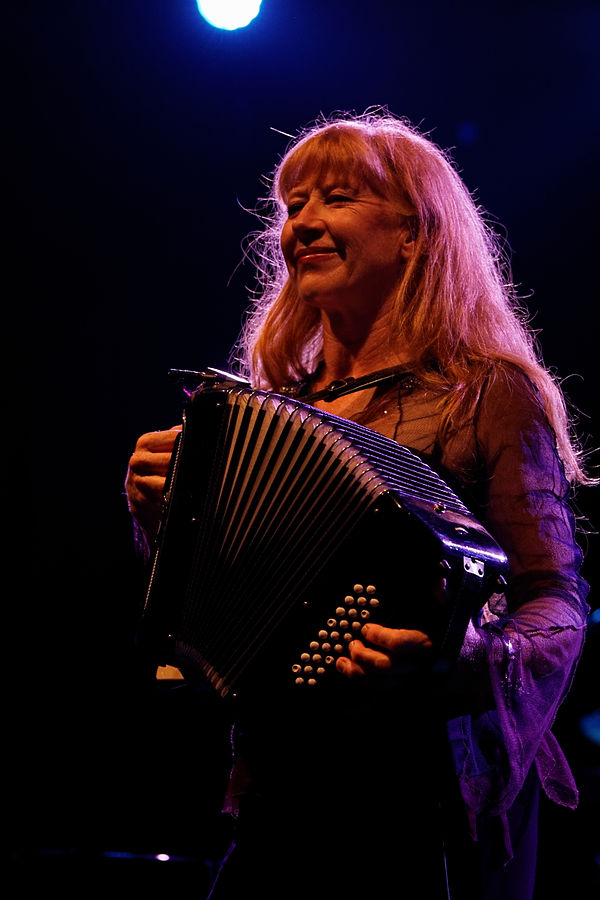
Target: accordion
[286, 529]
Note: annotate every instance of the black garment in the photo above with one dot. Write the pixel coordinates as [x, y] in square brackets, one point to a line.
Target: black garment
[279, 860]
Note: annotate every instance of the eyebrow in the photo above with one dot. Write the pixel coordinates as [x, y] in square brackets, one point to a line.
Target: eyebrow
[323, 187]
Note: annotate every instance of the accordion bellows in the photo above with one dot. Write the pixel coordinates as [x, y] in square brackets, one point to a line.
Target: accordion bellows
[286, 529]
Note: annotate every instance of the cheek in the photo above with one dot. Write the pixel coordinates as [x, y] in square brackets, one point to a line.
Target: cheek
[286, 243]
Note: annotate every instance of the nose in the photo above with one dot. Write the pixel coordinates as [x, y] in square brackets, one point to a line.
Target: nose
[308, 224]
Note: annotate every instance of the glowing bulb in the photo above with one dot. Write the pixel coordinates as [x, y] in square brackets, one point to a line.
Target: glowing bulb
[229, 14]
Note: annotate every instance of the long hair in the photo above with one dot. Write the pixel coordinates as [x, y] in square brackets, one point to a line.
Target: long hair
[455, 305]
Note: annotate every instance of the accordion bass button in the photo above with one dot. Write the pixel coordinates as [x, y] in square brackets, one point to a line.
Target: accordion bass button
[340, 611]
[296, 668]
[371, 589]
[323, 634]
[358, 588]
[314, 645]
[304, 657]
[320, 670]
[373, 602]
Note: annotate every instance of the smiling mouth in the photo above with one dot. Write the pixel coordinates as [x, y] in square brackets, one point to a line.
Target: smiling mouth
[312, 252]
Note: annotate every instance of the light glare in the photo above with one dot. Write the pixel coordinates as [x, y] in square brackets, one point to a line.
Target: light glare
[229, 14]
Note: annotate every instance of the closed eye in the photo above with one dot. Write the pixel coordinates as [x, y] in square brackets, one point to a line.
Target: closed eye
[294, 208]
[339, 198]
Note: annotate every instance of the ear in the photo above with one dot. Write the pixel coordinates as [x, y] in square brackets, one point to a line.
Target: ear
[407, 246]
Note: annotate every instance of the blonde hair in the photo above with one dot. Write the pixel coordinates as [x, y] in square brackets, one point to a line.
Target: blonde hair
[455, 305]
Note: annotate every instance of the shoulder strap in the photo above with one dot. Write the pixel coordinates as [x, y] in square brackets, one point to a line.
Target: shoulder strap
[350, 385]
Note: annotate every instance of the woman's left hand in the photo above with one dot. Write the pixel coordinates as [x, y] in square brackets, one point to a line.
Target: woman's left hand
[386, 650]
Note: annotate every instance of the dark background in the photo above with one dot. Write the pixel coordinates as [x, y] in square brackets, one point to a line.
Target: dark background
[137, 137]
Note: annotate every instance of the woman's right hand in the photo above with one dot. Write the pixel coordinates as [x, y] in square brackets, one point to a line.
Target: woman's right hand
[146, 473]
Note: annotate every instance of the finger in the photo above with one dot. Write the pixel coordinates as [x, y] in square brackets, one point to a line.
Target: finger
[394, 639]
[349, 667]
[157, 441]
[367, 657]
[146, 463]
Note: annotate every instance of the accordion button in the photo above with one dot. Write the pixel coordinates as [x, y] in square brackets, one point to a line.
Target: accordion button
[352, 613]
[348, 600]
[314, 645]
[326, 647]
[329, 660]
[358, 588]
[312, 681]
[338, 648]
[320, 670]
[296, 668]
[344, 623]
[331, 623]
[373, 602]
[323, 634]
[299, 681]
[362, 601]
[340, 611]
[317, 657]
[335, 635]
[371, 589]
[308, 670]
[365, 614]
[305, 657]
[357, 626]
[348, 636]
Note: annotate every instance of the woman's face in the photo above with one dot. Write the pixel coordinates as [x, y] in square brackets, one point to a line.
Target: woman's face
[344, 245]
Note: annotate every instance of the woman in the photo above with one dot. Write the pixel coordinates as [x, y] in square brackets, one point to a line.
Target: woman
[374, 257]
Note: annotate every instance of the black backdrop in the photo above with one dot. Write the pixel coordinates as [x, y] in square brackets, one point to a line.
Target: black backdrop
[137, 138]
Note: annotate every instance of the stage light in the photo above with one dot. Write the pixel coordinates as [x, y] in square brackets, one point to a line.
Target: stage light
[229, 14]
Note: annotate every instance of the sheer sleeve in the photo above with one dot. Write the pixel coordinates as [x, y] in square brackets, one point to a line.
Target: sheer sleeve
[527, 642]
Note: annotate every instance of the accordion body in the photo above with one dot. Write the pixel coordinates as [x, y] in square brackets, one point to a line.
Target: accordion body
[285, 529]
